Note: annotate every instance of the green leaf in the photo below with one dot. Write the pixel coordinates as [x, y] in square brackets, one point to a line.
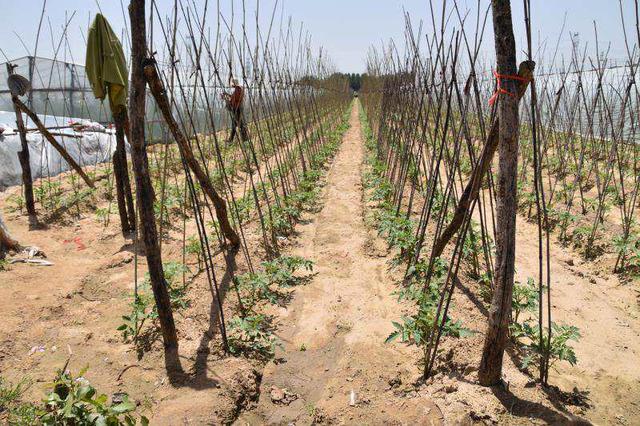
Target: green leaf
[124, 407]
[392, 337]
[465, 332]
[86, 392]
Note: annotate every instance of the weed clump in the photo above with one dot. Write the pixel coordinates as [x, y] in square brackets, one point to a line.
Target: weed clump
[71, 401]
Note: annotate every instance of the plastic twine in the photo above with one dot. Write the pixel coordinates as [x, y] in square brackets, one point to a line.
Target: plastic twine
[500, 90]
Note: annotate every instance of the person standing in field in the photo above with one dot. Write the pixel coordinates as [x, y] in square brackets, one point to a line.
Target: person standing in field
[234, 105]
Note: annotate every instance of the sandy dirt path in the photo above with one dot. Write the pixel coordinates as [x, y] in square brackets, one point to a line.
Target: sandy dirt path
[333, 332]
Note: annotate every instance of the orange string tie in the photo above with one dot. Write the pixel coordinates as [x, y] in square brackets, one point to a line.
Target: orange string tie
[500, 90]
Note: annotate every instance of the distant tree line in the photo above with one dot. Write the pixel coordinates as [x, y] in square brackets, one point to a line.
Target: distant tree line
[355, 80]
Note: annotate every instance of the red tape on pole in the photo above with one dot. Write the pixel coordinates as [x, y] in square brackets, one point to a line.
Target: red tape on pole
[499, 89]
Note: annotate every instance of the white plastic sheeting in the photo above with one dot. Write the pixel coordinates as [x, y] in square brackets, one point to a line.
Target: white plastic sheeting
[90, 149]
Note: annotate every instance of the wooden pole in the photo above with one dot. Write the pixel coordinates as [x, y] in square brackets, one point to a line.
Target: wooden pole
[159, 94]
[121, 173]
[25, 162]
[49, 137]
[144, 191]
[490, 372]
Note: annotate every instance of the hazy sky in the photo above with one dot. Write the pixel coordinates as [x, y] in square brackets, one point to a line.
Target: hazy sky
[345, 28]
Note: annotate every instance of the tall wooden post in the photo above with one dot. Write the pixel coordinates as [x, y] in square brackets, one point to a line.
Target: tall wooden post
[144, 190]
[490, 372]
[23, 156]
[121, 173]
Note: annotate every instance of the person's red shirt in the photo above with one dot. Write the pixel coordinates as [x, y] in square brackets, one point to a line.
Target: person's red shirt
[236, 97]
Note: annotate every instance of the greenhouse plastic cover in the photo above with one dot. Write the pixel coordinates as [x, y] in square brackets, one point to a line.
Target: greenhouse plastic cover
[89, 149]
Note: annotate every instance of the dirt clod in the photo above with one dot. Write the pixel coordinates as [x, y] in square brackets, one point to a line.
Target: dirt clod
[394, 382]
[282, 396]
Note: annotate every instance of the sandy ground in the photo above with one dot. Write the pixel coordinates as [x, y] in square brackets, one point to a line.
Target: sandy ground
[72, 309]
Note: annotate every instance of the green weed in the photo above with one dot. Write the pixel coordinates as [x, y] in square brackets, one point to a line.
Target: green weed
[252, 335]
[71, 401]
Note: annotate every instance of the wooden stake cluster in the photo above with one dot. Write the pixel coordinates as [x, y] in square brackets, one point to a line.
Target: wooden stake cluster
[436, 137]
[292, 104]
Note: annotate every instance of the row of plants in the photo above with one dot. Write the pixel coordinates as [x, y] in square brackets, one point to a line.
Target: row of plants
[265, 190]
[588, 155]
[400, 234]
[287, 209]
[55, 199]
[251, 331]
[424, 287]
